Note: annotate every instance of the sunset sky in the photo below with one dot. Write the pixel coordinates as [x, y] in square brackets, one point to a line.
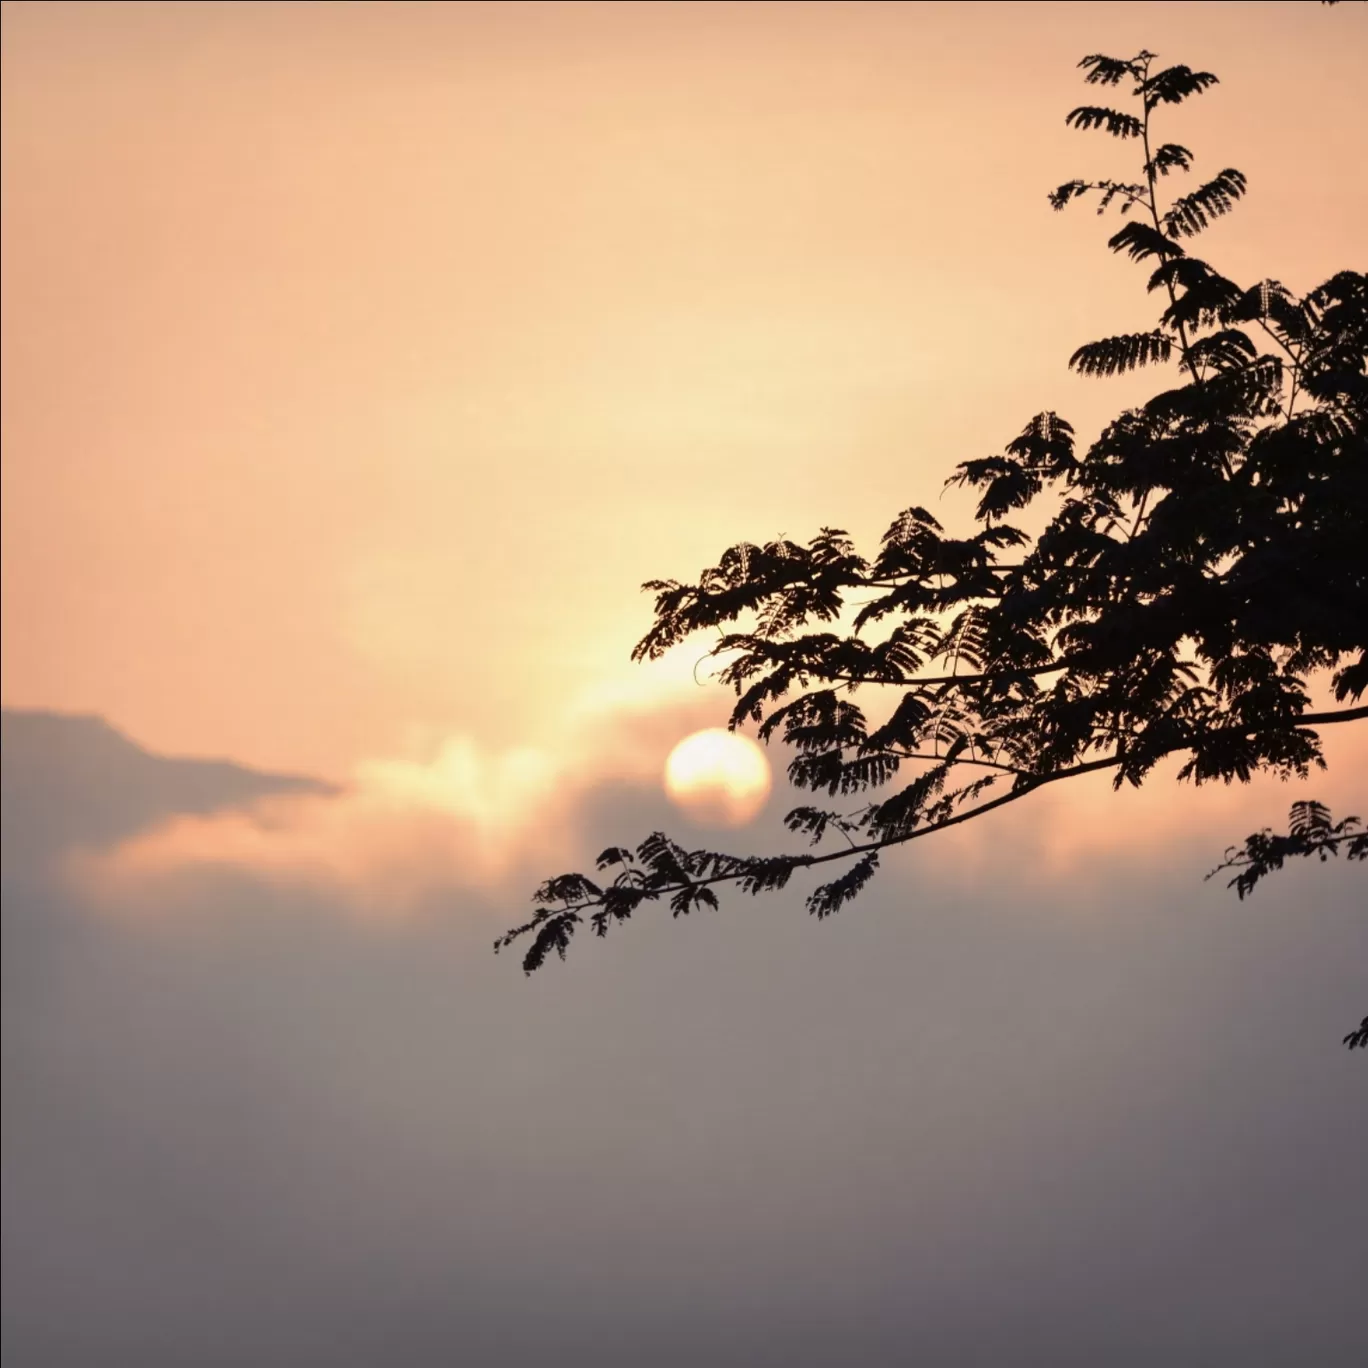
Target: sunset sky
[360, 361]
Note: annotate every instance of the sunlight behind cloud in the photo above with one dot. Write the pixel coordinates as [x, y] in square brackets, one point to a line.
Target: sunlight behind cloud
[450, 813]
[491, 791]
[400, 829]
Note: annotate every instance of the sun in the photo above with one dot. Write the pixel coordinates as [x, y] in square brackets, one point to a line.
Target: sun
[718, 777]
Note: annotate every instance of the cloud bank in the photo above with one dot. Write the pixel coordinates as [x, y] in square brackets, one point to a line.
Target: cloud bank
[973, 1119]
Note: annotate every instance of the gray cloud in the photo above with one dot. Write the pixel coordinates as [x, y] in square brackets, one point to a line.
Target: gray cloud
[73, 780]
[1102, 1122]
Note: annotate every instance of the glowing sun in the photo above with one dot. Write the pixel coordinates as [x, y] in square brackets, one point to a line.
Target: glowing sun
[718, 777]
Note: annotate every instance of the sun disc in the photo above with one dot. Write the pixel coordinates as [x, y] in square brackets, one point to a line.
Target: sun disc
[717, 777]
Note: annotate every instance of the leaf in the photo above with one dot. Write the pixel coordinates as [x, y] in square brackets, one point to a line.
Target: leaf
[664, 859]
[1190, 214]
[1225, 350]
[1115, 355]
[965, 639]
[1272, 302]
[1175, 84]
[1169, 157]
[1201, 296]
[1108, 70]
[904, 727]
[1140, 241]
[554, 935]
[1115, 121]
[1045, 442]
[1352, 680]
[762, 874]
[899, 815]
[568, 888]
[1069, 190]
[690, 896]
[828, 770]
[811, 821]
[831, 897]
[818, 721]
[1309, 819]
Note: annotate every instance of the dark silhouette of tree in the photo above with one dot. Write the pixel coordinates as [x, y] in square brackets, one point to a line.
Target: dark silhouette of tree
[1205, 564]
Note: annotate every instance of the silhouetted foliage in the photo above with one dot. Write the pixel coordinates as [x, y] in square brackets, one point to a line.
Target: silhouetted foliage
[1203, 564]
[1311, 831]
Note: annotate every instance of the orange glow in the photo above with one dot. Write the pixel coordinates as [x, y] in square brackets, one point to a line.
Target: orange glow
[360, 361]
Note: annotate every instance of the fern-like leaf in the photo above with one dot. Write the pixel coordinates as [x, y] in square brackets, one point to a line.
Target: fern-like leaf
[1115, 121]
[1226, 350]
[831, 897]
[554, 935]
[1170, 157]
[1192, 213]
[1115, 355]
[1174, 84]
[1139, 241]
[1110, 71]
[1068, 191]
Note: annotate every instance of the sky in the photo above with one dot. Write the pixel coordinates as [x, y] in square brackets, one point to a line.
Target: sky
[359, 363]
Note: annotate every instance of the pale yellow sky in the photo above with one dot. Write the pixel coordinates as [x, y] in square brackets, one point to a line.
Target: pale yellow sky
[361, 360]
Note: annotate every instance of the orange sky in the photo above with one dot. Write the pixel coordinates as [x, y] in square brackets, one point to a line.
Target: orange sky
[361, 360]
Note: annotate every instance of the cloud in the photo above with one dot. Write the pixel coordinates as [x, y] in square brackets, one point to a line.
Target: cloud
[454, 815]
[73, 781]
[402, 828]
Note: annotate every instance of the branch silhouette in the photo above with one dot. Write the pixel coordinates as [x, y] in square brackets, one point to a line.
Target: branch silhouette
[1201, 569]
